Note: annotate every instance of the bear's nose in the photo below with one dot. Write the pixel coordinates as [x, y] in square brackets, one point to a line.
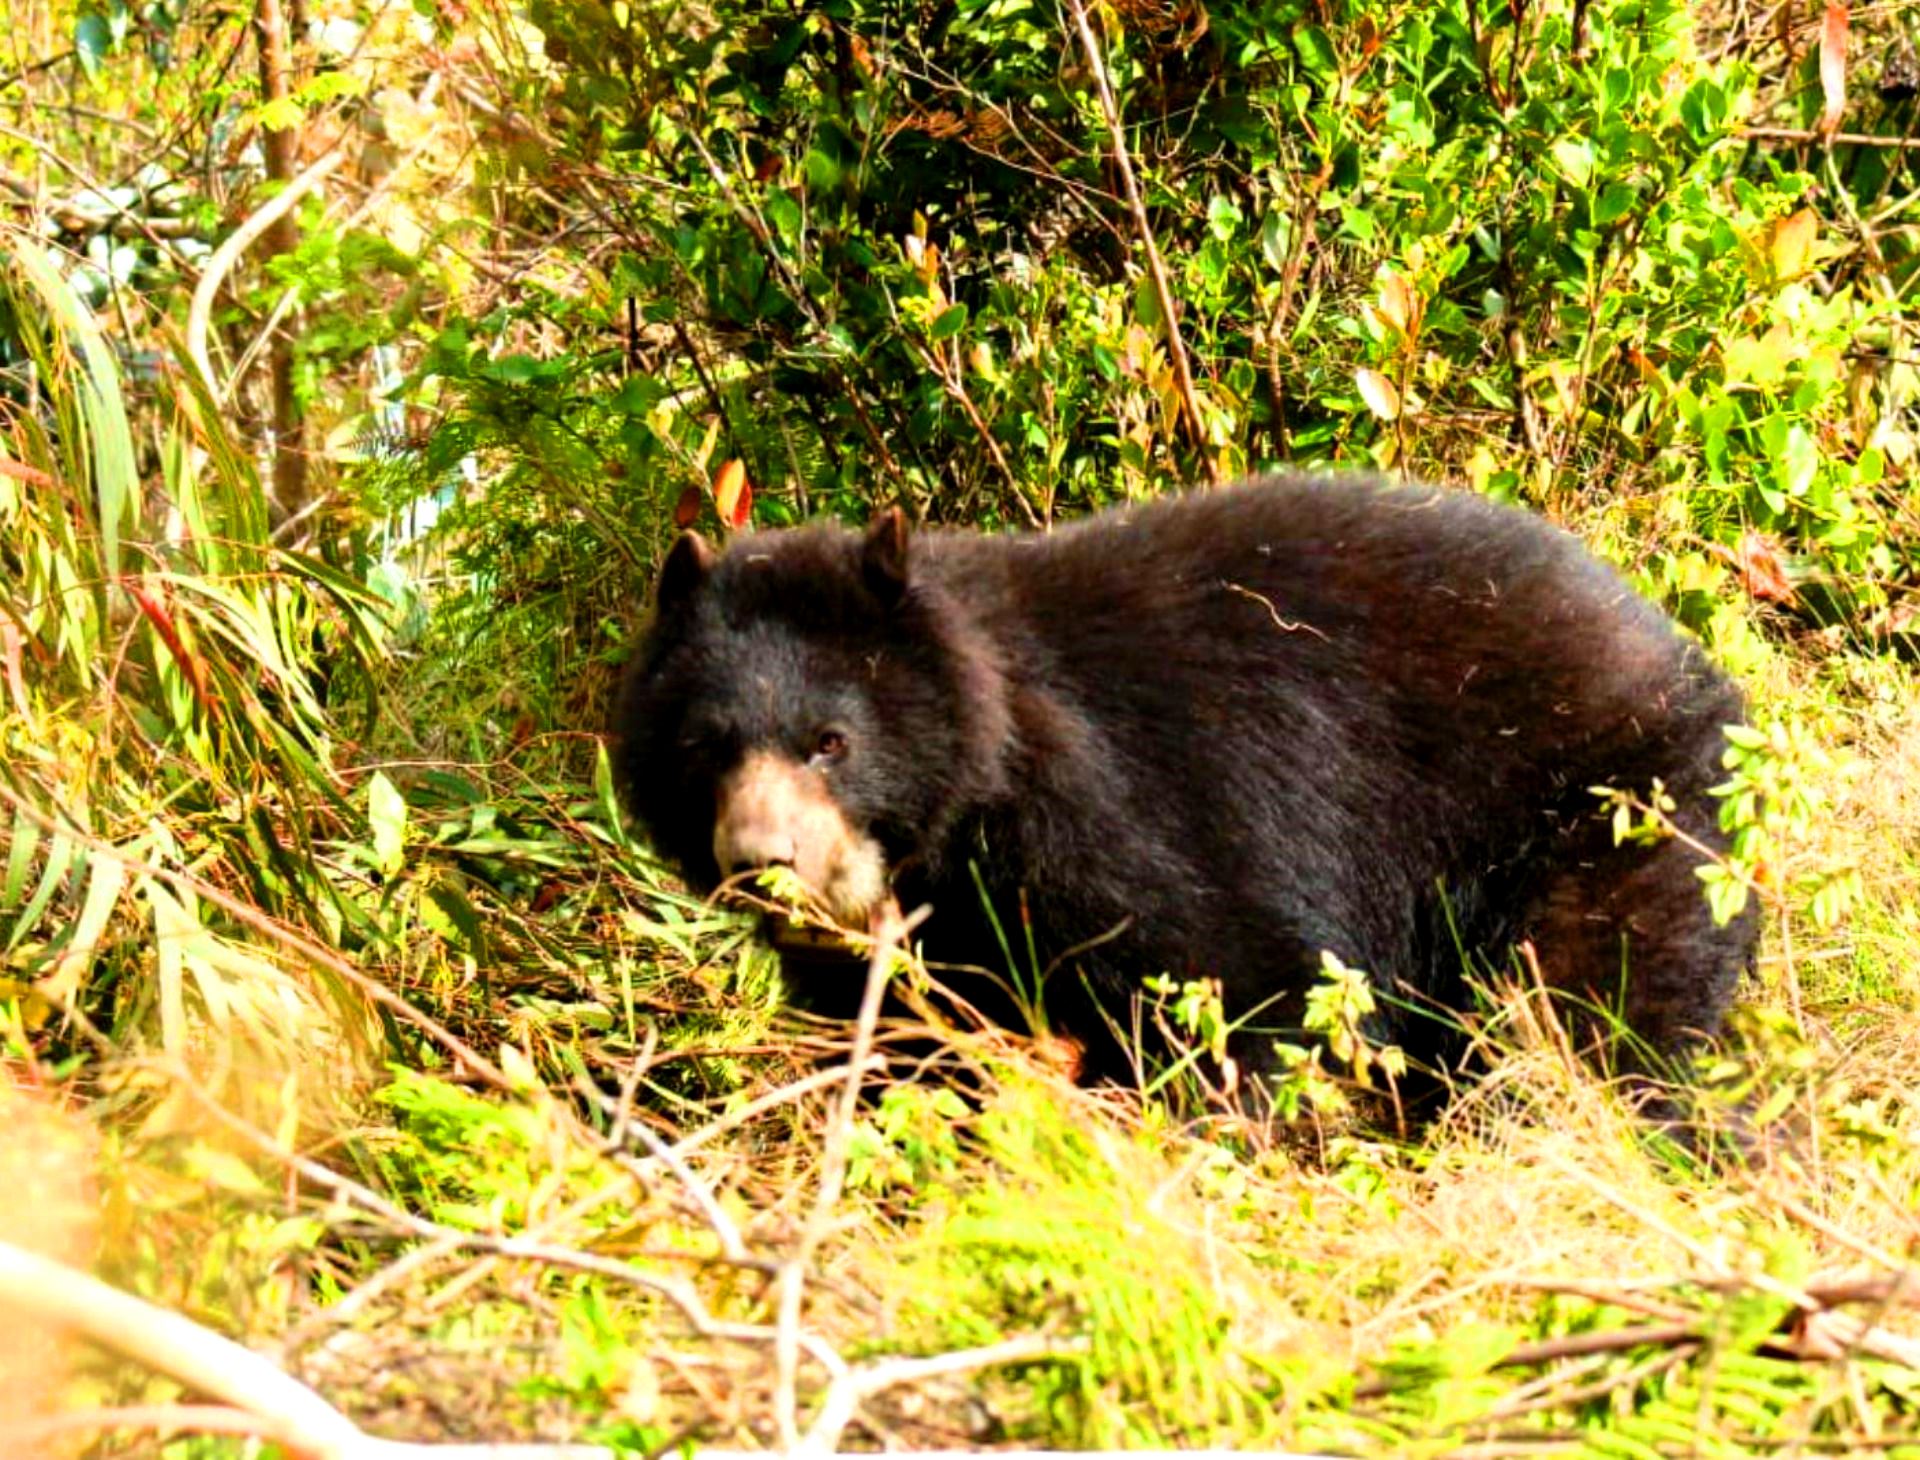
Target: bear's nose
[742, 849]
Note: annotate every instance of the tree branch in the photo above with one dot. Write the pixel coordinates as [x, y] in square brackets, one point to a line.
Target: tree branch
[1156, 268]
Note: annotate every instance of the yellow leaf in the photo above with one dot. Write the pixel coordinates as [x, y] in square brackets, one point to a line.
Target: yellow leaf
[1378, 392]
[1398, 302]
[105, 881]
[223, 1171]
[1480, 468]
[705, 453]
[1791, 248]
[518, 1067]
[1762, 360]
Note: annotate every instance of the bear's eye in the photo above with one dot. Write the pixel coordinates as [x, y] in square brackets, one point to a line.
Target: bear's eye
[701, 742]
[829, 746]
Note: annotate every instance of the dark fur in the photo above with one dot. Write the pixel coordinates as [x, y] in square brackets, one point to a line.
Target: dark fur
[1241, 728]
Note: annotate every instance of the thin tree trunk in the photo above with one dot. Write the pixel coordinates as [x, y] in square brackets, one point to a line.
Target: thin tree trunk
[271, 22]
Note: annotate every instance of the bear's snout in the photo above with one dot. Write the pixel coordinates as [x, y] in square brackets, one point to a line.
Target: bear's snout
[774, 812]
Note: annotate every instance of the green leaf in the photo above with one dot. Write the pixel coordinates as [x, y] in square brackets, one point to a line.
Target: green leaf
[1276, 239]
[387, 816]
[512, 369]
[1616, 200]
[1316, 51]
[1574, 158]
[1793, 455]
[280, 114]
[61, 858]
[92, 42]
[106, 879]
[823, 172]
[785, 215]
[1146, 305]
[26, 841]
[116, 476]
[1704, 109]
[951, 321]
[1358, 223]
[448, 912]
[637, 395]
[607, 793]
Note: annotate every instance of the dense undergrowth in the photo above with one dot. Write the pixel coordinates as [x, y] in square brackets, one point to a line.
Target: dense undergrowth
[339, 1010]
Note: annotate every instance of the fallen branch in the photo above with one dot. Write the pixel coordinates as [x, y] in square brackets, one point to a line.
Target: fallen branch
[845, 1393]
[257, 1399]
[54, 1295]
[680, 1294]
[76, 218]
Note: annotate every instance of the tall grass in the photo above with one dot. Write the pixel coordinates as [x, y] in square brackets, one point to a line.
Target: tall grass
[164, 749]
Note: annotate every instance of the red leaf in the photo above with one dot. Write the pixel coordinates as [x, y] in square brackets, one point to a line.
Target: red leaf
[156, 614]
[686, 511]
[1762, 568]
[10, 660]
[1833, 64]
[21, 472]
[733, 494]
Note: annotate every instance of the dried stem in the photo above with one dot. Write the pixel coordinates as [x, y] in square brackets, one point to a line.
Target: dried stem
[1838, 139]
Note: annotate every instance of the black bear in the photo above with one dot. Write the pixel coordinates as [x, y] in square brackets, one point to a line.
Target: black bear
[1208, 737]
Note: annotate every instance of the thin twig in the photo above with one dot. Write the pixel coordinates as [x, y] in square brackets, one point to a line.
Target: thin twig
[1516, 1404]
[955, 385]
[1823, 1330]
[681, 1295]
[1572, 1346]
[723, 1228]
[258, 1398]
[1838, 139]
[759, 1106]
[1156, 268]
[846, 1392]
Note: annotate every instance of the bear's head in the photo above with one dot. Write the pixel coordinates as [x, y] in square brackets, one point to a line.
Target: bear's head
[808, 698]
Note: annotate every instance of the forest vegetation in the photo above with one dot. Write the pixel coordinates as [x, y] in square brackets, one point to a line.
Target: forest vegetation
[360, 360]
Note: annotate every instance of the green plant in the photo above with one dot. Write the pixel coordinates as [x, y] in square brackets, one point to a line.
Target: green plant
[1338, 1009]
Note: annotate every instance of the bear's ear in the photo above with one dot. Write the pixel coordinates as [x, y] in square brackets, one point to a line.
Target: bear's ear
[688, 562]
[883, 558]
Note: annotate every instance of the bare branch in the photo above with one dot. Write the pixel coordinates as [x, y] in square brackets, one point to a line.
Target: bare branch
[1156, 268]
[200, 311]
